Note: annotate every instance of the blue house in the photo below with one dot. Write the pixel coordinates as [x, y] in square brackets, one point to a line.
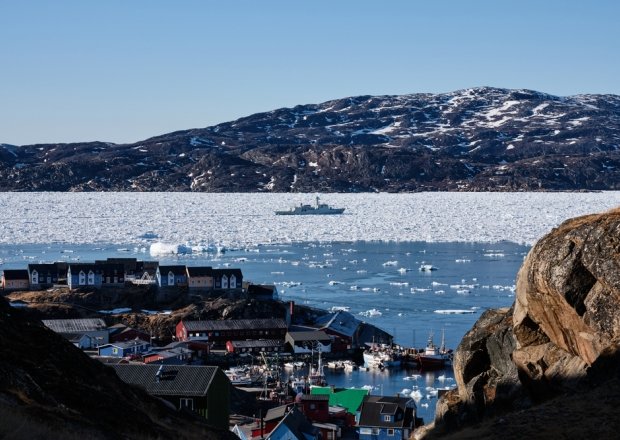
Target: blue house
[124, 349]
[294, 426]
[171, 276]
[96, 275]
[386, 418]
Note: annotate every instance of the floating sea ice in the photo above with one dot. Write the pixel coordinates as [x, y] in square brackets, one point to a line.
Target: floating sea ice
[427, 268]
[463, 291]
[277, 273]
[454, 311]
[435, 283]
[462, 260]
[404, 270]
[412, 377]
[390, 263]
[399, 284]
[160, 248]
[361, 271]
[370, 313]
[416, 395]
[354, 287]
[334, 282]
[440, 292]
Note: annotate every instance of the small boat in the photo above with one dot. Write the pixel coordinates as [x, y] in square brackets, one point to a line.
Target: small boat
[294, 365]
[236, 378]
[349, 366]
[335, 365]
[433, 357]
[318, 209]
[381, 356]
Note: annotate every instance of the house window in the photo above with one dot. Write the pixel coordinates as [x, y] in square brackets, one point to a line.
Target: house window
[390, 432]
[35, 277]
[91, 277]
[170, 278]
[375, 431]
[224, 282]
[312, 406]
[233, 282]
[387, 418]
[186, 403]
[114, 350]
[82, 278]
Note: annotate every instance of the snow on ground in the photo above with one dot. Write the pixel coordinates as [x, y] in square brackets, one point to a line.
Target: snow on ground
[200, 219]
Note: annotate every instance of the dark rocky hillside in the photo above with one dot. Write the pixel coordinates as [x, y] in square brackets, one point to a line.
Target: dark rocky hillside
[51, 389]
[469, 140]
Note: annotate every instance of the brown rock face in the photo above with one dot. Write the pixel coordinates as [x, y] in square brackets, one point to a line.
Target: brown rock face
[567, 310]
[562, 332]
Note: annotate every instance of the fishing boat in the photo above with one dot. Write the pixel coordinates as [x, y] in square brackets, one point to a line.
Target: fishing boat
[434, 357]
[318, 209]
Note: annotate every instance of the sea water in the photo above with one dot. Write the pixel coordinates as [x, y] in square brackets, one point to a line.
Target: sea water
[379, 282]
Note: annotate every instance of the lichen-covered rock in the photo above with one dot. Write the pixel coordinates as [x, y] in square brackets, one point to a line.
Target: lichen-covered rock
[562, 334]
[567, 310]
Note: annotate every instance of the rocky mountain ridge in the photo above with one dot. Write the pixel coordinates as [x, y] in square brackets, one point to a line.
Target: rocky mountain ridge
[469, 140]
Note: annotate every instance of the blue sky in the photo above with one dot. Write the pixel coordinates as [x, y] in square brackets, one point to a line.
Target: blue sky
[123, 71]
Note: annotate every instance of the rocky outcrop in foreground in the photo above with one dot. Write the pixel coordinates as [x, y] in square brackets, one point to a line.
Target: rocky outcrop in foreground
[549, 365]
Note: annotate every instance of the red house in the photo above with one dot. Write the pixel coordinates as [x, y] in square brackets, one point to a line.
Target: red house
[315, 407]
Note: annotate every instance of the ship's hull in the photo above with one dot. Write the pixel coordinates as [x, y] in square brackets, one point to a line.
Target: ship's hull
[316, 212]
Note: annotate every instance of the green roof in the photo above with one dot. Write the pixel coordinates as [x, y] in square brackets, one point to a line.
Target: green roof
[350, 399]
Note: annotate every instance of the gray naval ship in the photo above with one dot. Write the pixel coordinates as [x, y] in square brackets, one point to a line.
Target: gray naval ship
[318, 209]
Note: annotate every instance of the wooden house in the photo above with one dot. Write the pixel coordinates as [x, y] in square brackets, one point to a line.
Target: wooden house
[272, 418]
[265, 292]
[217, 333]
[43, 276]
[96, 275]
[15, 279]
[199, 279]
[94, 328]
[172, 356]
[80, 340]
[386, 418]
[124, 349]
[308, 341]
[171, 276]
[227, 279]
[315, 407]
[201, 389]
[344, 404]
[255, 346]
[344, 327]
[294, 426]
[121, 332]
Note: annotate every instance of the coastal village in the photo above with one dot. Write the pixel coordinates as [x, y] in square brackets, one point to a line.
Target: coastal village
[260, 377]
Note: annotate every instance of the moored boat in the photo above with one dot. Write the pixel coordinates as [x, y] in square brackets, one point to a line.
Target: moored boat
[433, 357]
[381, 356]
